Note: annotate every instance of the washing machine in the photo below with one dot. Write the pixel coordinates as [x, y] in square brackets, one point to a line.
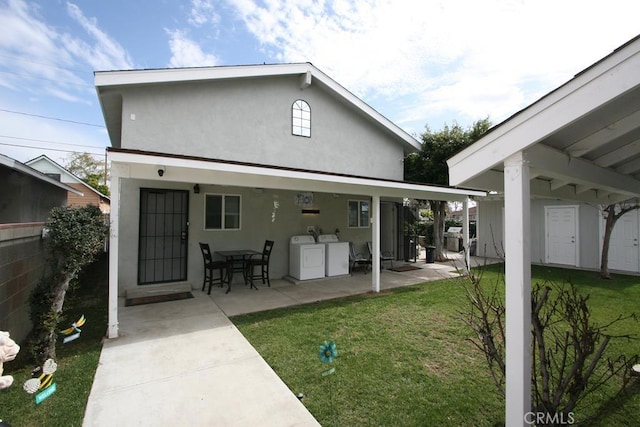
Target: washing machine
[306, 258]
[336, 255]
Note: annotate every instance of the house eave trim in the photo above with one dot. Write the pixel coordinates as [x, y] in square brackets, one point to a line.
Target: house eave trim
[290, 178]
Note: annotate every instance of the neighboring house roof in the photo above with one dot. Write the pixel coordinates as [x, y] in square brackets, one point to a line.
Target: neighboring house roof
[21, 167]
[582, 140]
[460, 213]
[68, 175]
[105, 81]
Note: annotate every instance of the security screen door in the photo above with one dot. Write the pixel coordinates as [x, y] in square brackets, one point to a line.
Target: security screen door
[162, 253]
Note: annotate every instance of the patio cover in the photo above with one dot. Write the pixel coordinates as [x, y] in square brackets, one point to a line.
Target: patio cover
[135, 164]
[580, 142]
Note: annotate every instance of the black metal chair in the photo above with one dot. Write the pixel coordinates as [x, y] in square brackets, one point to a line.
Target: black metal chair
[384, 256]
[358, 260]
[262, 262]
[209, 266]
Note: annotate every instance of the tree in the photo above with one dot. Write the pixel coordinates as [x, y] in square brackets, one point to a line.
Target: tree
[612, 213]
[429, 166]
[568, 348]
[75, 237]
[88, 169]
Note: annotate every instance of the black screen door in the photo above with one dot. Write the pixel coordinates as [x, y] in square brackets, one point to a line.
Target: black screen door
[162, 254]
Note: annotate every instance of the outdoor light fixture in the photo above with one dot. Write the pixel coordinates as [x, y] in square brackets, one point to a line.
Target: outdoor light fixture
[161, 171]
[196, 189]
[311, 211]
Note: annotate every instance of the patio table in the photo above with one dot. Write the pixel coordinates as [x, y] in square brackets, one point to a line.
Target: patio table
[237, 261]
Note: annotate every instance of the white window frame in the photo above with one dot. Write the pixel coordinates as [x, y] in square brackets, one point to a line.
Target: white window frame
[223, 215]
[301, 118]
[360, 204]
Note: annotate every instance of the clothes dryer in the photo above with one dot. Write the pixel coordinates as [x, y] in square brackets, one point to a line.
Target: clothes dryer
[336, 255]
[306, 258]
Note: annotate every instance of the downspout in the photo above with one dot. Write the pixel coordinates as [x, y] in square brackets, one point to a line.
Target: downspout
[112, 327]
[375, 243]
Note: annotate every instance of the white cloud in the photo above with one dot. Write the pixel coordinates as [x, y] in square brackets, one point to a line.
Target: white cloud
[468, 58]
[186, 52]
[202, 12]
[45, 61]
[105, 53]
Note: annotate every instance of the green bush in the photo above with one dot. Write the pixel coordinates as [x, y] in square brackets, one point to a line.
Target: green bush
[75, 236]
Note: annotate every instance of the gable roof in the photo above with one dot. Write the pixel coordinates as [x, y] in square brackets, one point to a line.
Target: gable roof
[108, 82]
[27, 170]
[582, 140]
[63, 170]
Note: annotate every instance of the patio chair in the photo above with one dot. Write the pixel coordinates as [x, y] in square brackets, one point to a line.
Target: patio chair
[262, 262]
[358, 259]
[209, 266]
[384, 255]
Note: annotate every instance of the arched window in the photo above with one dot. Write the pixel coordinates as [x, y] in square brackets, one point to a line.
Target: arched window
[301, 118]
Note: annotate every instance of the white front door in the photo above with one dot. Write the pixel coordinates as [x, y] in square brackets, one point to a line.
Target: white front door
[623, 248]
[561, 229]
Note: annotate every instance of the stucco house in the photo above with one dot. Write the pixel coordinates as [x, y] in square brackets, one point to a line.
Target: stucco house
[88, 196]
[26, 198]
[553, 163]
[235, 155]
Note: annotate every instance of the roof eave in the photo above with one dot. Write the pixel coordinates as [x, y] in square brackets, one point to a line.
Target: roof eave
[104, 80]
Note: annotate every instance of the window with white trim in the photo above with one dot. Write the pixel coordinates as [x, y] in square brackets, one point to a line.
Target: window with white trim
[222, 212]
[358, 214]
[301, 118]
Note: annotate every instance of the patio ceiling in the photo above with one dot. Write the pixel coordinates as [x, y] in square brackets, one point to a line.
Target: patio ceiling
[581, 141]
[144, 165]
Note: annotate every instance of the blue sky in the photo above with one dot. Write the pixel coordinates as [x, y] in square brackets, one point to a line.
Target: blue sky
[418, 62]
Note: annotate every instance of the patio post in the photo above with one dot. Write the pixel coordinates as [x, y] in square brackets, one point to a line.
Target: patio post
[112, 327]
[518, 288]
[465, 234]
[375, 243]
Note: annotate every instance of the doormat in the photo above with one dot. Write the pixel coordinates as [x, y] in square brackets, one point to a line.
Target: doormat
[405, 268]
[152, 299]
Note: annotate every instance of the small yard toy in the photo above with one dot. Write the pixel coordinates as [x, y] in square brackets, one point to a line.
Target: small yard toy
[73, 329]
[8, 351]
[41, 377]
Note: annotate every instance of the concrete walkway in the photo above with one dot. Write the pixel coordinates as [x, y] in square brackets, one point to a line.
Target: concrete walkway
[184, 363]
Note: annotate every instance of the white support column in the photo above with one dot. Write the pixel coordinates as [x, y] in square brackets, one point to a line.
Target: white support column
[375, 243]
[112, 328]
[465, 234]
[518, 288]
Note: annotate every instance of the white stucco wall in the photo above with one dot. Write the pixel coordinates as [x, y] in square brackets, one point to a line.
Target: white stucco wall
[491, 218]
[256, 226]
[249, 120]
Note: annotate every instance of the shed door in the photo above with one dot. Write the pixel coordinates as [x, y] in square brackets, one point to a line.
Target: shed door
[162, 254]
[623, 248]
[561, 229]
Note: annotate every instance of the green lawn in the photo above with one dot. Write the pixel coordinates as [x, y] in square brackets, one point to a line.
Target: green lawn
[405, 359]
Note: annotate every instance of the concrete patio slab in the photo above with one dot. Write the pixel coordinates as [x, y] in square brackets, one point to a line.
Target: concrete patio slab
[185, 363]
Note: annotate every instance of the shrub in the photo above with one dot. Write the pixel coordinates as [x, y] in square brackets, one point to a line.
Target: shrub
[75, 237]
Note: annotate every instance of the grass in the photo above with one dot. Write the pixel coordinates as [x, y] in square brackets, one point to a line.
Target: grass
[405, 359]
[404, 356]
[77, 361]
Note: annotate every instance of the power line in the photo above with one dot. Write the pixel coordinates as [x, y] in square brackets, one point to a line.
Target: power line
[59, 82]
[46, 140]
[45, 64]
[51, 118]
[52, 149]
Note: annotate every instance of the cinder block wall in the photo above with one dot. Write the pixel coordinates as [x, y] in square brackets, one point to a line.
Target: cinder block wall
[22, 261]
